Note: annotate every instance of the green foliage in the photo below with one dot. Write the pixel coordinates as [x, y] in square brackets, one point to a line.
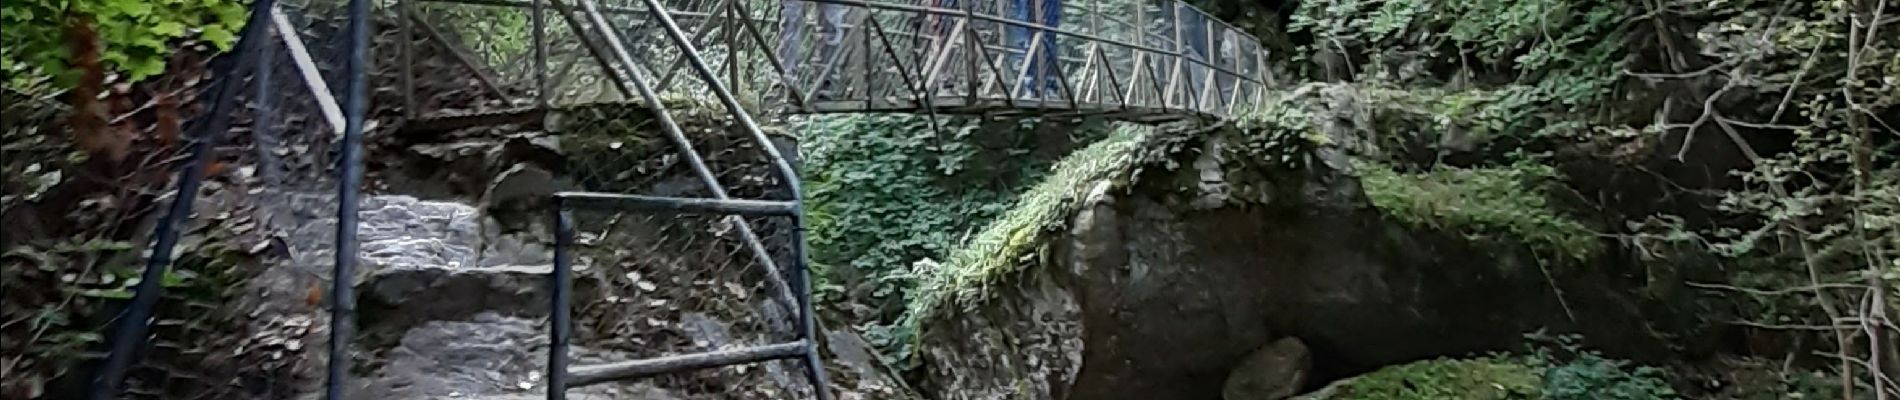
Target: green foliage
[1543, 60]
[1278, 135]
[887, 194]
[1506, 201]
[137, 35]
[1557, 368]
[1012, 240]
[499, 35]
[881, 198]
[1492, 378]
[1574, 373]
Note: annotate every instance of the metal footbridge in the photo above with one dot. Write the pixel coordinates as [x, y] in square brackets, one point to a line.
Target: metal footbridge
[1131, 60]
[514, 61]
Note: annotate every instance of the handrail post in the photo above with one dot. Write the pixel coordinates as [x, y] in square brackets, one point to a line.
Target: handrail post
[560, 284]
[350, 166]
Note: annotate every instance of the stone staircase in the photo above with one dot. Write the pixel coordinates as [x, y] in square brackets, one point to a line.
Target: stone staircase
[439, 320]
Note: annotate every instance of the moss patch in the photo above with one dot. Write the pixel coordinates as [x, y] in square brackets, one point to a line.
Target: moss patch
[1009, 242]
[1441, 379]
[1505, 201]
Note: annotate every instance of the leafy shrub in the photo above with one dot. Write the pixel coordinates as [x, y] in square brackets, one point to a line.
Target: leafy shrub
[1547, 62]
[1574, 373]
[137, 34]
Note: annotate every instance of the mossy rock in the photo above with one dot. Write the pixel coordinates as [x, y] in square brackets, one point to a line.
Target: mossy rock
[1440, 379]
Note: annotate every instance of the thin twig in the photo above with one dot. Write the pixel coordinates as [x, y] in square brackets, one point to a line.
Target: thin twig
[1775, 292]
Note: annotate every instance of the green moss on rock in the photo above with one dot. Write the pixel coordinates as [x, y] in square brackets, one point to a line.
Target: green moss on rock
[1506, 201]
[1440, 379]
[1007, 244]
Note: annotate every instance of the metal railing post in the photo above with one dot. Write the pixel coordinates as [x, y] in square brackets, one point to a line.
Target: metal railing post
[342, 284]
[560, 286]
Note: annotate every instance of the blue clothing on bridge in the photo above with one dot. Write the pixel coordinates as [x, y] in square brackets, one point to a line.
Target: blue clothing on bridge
[1043, 76]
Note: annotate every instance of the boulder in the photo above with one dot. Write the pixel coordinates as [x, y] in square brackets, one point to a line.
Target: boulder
[1276, 371]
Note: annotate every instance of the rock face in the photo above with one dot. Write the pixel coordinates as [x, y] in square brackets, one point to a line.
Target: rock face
[1274, 372]
[1150, 295]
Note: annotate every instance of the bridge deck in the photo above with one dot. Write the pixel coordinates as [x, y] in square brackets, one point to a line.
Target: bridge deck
[1139, 60]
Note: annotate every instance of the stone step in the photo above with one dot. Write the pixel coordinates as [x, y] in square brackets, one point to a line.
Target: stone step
[488, 357]
[402, 297]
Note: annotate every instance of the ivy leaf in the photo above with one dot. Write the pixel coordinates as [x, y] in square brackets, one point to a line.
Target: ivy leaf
[219, 36]
[144, 68]
[134, 8]
[169, 28]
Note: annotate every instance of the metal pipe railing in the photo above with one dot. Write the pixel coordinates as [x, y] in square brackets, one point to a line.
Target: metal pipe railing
[1194, 64]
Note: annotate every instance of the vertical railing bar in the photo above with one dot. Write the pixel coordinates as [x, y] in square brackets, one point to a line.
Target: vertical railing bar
[867, 60]
[264, 136]
[131, 326]
[560, 285]
[350, 166]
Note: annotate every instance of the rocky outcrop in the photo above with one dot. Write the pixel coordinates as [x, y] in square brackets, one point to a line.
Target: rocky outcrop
[1156, 292]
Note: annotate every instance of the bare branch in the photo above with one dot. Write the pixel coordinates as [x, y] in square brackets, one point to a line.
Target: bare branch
[1805, 289]
[1708, 110]
[1660, 76]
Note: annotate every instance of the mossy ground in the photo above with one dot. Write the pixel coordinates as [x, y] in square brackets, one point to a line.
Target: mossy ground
[1441, 379]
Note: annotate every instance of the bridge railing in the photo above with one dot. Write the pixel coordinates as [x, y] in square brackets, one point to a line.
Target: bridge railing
[1136, 59]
